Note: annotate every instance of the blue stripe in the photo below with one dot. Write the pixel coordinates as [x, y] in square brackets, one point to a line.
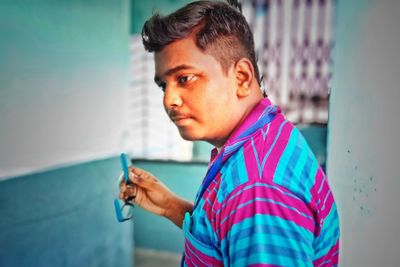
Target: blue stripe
[329, 234]
[264, 119]
[232, 148]
[262, 165]
[252, 187]
[268, 200]
[264, 134]
[257, 158]
[273, 255]
[236, 170]
[224, 191]
[297, 167]
[308, 178]
[271, 234]
[241, 167]
[322, 184]
[234, 173]
[290, 173]
[275, 224]
[205, 248]
[325, 199]
[284, 160]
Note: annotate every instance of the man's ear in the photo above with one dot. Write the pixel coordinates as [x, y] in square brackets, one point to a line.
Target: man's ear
[244, 74]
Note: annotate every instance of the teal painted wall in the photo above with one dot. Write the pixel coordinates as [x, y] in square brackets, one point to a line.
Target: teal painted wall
[142, 10]
[64, 71]
[363, 138]
[64, 75]
[64, 217]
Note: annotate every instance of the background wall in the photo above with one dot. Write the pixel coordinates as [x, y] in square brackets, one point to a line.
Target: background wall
[63, 88]
[63, 82]
[363, 141]
[64, 217]
[63, 74]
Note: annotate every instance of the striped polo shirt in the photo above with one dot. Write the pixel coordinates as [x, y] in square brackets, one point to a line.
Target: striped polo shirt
[269, 203]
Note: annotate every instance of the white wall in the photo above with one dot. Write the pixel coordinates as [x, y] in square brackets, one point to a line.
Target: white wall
[64, 79]
[364, 131]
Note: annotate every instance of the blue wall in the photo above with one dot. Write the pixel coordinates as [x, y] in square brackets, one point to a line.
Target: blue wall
[64, 217]
[64, 79]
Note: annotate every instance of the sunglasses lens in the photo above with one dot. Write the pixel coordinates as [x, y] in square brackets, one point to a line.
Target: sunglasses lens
[127, 211]
[123, 212]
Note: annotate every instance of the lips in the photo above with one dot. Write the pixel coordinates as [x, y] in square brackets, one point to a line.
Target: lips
[180, 119]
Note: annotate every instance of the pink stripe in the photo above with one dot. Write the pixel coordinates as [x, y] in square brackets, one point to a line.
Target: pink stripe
[332, 257]
[198, 258]
[249, 191]
[319, 176]
[321, 197]
[322, 180]
[210, 197]
[267, 208]
[278, 149]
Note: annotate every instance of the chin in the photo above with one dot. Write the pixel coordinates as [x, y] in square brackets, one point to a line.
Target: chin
[189, 135]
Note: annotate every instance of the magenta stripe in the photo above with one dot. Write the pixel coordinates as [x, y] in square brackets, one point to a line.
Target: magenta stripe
[252, 189]
[323, 200]
[264, 208]
[197, 257]
[277, 151]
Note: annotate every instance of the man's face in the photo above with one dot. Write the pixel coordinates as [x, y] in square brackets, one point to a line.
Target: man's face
[199, 96]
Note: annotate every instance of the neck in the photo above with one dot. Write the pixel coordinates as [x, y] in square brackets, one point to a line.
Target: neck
[246, 107]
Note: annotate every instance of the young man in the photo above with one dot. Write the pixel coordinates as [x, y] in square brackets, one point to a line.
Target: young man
[264, 201]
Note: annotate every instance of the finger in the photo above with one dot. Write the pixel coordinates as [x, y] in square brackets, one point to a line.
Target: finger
[121, 179]
[141, 178]
[123, 188]
[130, 190]
[128, 195]
[138, 172]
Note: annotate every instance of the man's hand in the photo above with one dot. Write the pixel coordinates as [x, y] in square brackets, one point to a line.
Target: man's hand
[152, 195]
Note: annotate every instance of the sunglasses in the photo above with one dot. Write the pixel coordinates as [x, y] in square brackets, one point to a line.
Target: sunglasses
[124, 211]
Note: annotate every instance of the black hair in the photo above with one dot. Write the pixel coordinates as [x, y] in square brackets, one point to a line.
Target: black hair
[220, 29]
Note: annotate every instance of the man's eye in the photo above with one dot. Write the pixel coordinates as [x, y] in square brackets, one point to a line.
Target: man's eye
[161, 86]
[185, 79]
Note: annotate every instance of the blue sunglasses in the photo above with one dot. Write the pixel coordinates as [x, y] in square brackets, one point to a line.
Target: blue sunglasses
[124, 212]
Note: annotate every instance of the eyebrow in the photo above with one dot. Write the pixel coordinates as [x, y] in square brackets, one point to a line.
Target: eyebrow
[169, 72]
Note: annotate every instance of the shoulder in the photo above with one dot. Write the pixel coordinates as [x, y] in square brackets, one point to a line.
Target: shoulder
[276, 154]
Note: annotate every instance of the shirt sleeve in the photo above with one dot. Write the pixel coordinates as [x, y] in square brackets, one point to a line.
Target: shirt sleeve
[263, 224]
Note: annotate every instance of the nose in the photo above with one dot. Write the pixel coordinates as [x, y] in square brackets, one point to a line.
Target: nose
[172, 98]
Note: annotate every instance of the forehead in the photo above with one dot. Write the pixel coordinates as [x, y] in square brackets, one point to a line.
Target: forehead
[183, 52]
